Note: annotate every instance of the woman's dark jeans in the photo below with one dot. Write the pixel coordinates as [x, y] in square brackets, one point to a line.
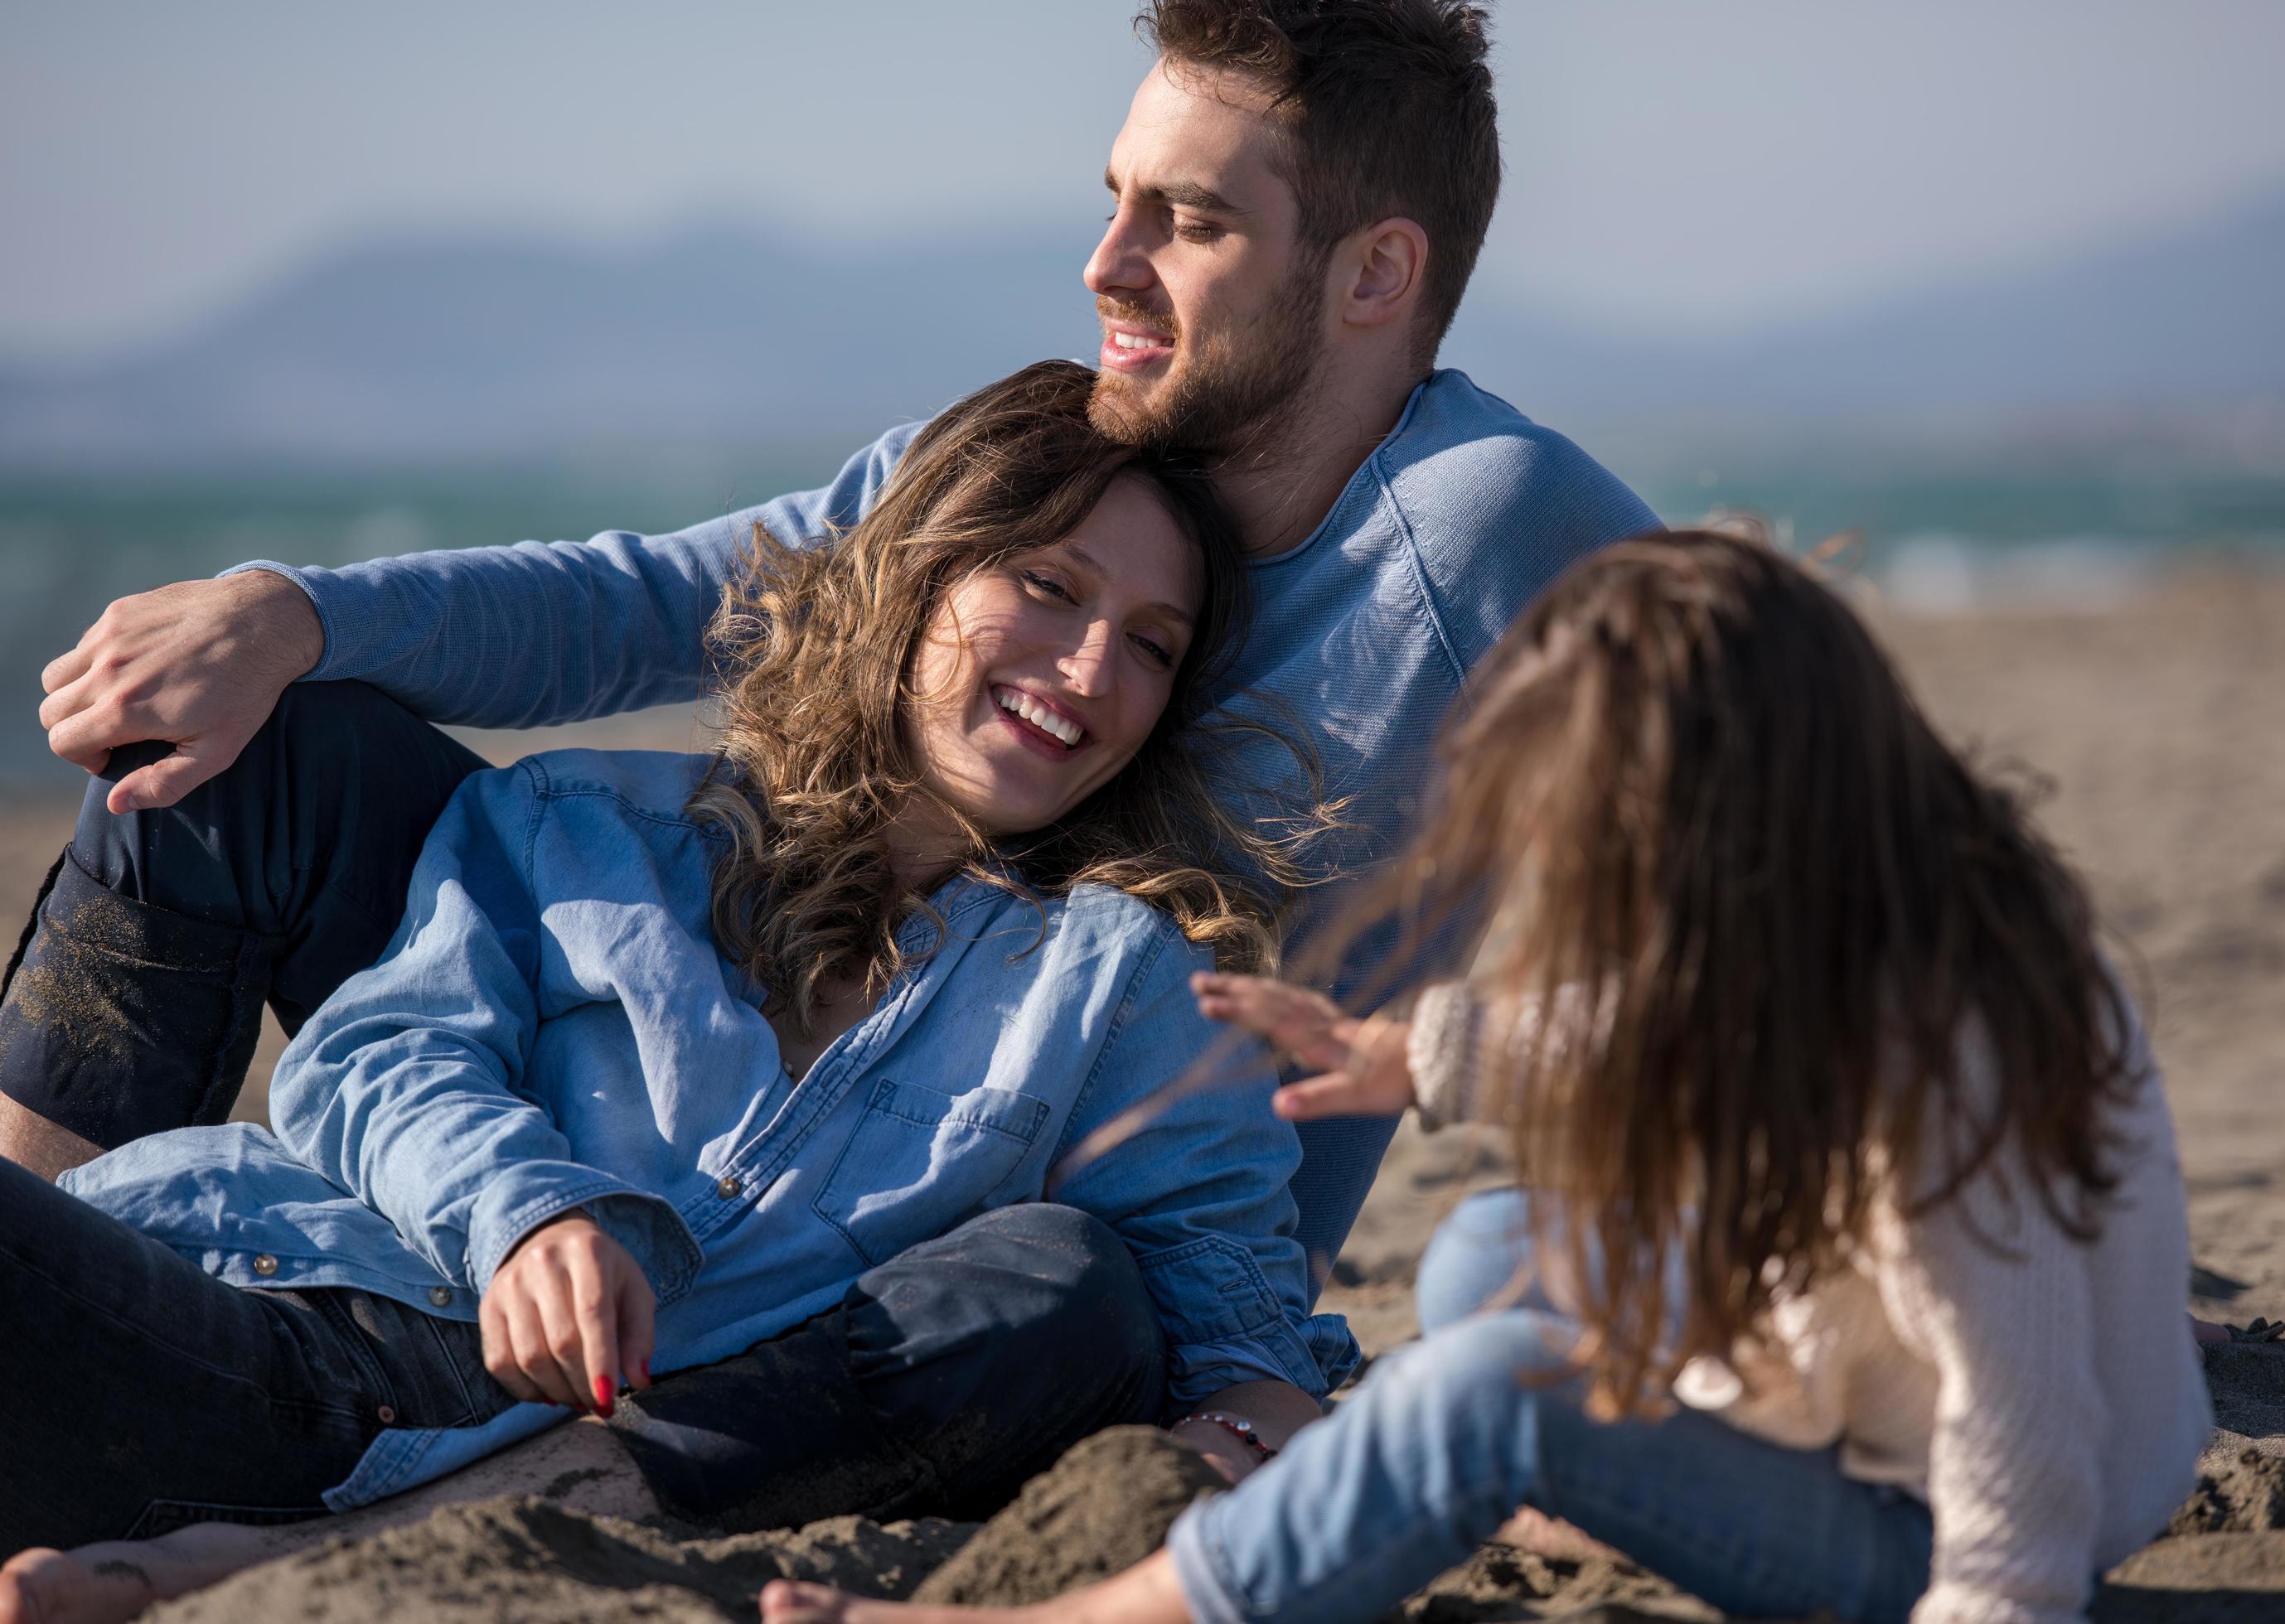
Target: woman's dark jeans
[144, 1394]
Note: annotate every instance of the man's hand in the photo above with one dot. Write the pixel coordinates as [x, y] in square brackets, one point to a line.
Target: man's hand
[1366, 1073]
[569, 1317]
[198, 666]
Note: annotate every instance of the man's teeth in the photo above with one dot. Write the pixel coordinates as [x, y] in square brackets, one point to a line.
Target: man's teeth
[1038, 715]
[1137, 341]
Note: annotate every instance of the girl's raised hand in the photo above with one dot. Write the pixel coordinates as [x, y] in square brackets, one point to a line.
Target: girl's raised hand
[1365, 1073]
[569, 1317]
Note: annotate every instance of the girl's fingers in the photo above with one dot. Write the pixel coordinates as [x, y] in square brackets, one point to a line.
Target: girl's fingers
[1331, 1095]
[1302, 1023]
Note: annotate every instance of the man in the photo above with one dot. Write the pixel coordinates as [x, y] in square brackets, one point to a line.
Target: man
[1299, 194]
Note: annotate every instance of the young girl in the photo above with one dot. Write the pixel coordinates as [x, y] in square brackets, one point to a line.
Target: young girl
[676, 1060]
[1850, 1275]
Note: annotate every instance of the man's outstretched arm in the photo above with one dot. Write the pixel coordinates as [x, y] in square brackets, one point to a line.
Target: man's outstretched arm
[495, 637]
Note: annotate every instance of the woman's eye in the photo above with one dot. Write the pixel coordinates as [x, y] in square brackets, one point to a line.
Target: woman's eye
[1049, 585]
[1154, 652]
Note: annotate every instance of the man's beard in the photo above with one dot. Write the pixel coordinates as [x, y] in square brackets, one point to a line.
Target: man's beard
[1224, 399]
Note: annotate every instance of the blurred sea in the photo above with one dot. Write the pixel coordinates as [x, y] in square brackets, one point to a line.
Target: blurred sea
[1950, 540]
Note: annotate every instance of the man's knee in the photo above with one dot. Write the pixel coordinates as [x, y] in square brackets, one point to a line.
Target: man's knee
[334, 794]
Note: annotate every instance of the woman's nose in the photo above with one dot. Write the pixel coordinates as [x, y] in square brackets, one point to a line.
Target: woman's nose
[1088, 667]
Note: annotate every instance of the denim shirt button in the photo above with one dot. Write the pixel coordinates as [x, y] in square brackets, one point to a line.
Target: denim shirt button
[442, 1296]
[387, 1415]
[730, 1185]
[264, 1264]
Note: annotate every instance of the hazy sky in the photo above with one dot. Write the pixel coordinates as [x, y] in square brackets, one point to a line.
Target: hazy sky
[1682, 162]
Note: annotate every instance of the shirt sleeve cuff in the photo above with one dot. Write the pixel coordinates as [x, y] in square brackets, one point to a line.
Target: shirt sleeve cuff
[323, 671]
[535, 1193]
[1198, 1370]
[1317, 1360]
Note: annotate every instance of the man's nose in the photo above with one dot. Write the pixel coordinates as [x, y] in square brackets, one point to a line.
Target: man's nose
[1088, 667]
[1118, 265]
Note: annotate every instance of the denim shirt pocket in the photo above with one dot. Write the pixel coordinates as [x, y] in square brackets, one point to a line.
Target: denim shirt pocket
[920, 1163]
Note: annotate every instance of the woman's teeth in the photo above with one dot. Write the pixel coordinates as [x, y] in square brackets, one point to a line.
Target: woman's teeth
[1038, 715]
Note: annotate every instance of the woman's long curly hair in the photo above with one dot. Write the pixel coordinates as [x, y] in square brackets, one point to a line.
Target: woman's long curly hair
[1769, 909]
[817, 644]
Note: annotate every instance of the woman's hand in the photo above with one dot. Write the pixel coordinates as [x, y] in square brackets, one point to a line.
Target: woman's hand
[569, 1317]
[1365, 1071]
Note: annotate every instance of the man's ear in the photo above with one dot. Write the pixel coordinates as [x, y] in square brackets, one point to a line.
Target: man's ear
[1387, 261]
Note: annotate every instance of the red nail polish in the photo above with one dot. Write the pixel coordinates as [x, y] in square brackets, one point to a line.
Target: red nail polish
[603, 1397]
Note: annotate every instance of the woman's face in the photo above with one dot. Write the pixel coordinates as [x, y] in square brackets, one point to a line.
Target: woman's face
[1038, 679]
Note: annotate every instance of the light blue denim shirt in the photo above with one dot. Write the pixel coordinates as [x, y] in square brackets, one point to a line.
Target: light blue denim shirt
[1360, 639]
[552, 1026]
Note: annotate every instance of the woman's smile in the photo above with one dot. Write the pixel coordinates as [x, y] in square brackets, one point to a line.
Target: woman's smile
[1040, 722]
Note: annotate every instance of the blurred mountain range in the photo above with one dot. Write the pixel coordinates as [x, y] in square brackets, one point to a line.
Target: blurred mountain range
[476, 349]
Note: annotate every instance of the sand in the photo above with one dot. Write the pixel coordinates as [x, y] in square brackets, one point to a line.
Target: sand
[2158, 725]
[524, 1558]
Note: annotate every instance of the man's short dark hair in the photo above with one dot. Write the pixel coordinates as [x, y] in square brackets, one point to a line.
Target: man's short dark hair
[1390, 106]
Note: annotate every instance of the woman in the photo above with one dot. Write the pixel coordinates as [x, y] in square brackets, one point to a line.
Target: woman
[670, 1049]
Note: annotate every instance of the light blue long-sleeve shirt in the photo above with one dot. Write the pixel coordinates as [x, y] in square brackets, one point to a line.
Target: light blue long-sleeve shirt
[1361, 637]
[552, 1026]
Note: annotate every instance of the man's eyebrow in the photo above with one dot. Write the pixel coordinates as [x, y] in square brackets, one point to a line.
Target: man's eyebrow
[1171, 611]
[1182, 194]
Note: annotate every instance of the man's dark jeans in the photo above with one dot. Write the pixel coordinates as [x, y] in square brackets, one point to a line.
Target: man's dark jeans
[136, 997]
[144, 1394]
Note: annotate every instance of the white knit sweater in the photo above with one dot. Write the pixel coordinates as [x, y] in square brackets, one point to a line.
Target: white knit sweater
[2047, 1403]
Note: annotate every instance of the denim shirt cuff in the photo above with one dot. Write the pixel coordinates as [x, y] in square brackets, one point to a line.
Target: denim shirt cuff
[649, 1227]
[1197, 1371]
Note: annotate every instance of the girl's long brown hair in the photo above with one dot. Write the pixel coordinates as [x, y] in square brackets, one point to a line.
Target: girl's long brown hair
[1768, 908]
[817, 644]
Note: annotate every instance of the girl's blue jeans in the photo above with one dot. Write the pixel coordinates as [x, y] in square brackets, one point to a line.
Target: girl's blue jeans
[1445, 1441]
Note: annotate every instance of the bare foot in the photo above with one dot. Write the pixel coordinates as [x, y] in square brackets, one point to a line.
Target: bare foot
[580, 1466]
[1552, 1538]
[1145, 1594]
[785, 1602]
[98, 1584]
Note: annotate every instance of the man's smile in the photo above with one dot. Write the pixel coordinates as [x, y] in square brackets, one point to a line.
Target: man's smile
[1129, 347]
